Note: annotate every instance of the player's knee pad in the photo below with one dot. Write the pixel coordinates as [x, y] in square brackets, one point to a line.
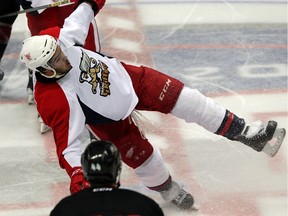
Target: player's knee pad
[135, 149]
[153, 172]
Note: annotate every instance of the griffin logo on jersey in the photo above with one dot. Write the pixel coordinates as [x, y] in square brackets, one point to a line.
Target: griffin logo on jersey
[95, 73]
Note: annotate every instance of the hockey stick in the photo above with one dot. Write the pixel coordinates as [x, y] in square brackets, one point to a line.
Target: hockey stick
[55, 4]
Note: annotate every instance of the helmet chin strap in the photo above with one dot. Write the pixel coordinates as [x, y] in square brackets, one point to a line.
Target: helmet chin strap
[51, 76]
[54, 75]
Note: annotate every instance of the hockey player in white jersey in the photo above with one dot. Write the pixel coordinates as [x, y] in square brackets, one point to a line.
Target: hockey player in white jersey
[76, 86]
[49, 18]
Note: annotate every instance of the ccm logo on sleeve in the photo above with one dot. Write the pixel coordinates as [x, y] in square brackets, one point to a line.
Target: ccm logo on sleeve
[164, 90]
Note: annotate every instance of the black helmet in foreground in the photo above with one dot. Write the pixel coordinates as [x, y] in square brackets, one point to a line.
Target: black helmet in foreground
[101, 163]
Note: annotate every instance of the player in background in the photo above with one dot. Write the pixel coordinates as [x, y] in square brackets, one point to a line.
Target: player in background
[77, 87]
[7, 6]
[52, 18]
[101, 164]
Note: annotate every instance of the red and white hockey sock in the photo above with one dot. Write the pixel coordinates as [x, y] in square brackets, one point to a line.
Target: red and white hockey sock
[231, 126]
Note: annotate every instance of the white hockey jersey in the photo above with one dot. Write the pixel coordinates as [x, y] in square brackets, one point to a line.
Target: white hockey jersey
[96, 89]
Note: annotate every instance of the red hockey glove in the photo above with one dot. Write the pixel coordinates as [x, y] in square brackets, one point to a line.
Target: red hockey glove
[78, 181]
[96, 4]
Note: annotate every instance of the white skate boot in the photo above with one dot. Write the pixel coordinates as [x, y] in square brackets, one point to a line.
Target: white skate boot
[178, 196]
[30, 96]
[43, 128]
[263, 137]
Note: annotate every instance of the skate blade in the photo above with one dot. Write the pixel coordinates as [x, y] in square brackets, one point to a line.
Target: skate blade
[272, 149]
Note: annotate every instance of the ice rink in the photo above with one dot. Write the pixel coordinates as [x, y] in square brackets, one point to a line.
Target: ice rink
[233, 51]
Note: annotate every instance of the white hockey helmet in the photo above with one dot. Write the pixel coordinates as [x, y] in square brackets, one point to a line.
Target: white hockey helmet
[37, 51]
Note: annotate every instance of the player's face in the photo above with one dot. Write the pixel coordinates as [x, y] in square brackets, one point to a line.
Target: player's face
[59, 62]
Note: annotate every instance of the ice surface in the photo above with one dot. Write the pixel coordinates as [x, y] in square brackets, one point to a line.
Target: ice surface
[234, 52]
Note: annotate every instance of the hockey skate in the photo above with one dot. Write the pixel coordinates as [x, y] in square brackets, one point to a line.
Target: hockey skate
[263, 137]
[30, 87]
[43, 128]
[30, 96]
[178, 196]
